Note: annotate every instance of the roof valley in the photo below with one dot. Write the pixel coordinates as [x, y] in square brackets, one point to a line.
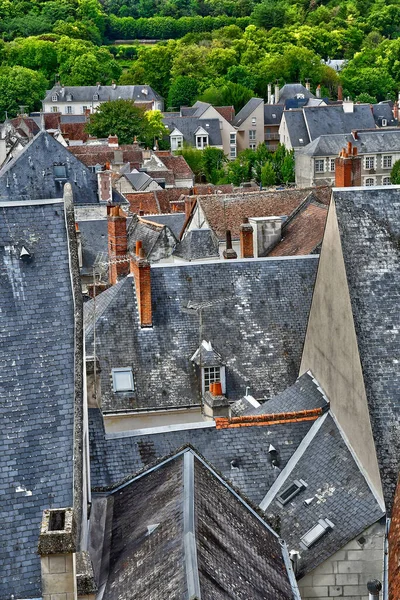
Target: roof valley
[190, 545]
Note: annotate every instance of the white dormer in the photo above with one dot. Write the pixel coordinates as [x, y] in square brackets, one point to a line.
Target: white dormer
[202, 138]
[54, 97]
[176, 139]
[96, 97]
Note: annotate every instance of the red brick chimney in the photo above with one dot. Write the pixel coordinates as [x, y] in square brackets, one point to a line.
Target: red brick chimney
[188, 206]
[340, 93]
[104, 186]
[140, 269]
[348, 168]
[395, 111]
[117, 243]
[113, 141]
[246, 239]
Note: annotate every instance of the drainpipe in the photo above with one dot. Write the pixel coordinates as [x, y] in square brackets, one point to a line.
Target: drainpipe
[374, 587]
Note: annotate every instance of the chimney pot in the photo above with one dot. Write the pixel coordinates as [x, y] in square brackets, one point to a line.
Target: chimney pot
[318, 91]
[276, 95]
[246, 239]
[354, 133]
[211, 389]
[349, 148]
[138, 246]
[355, 151]
[217, 389]
[229, 252]
[140, 269]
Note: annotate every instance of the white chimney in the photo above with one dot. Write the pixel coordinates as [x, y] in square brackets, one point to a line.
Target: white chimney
[267, 232]
[276, 93]
[269, 93]
[308, 85]
[348, 105]
[318, 91]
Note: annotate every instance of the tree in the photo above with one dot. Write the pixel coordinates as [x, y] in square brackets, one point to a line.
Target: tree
[20, 86]
[268, 14]
[183, 92]
[152, 67]
[154, 127]
[237, 172]
[194, 159]
[35, 54]
[230, 94]
[287, 168]
[97, 64]
[212, 163]
[268, 176]
[395, 173]
[122, 118]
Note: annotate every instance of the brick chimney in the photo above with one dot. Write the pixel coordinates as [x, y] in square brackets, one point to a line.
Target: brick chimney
[188, 206]
[246, 239]
[340, 93]
[229, 251]
[113, 141]
[215, 403]
[57, 547]
[117, 243]
[140, 269]
[395, 111]
[348, 167]
[104, 186]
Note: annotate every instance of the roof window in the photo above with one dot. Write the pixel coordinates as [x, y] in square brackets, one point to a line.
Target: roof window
[54, 98]
[60, 172]
[291, 491]
[95, 97]
[315, 533]
[122, 379]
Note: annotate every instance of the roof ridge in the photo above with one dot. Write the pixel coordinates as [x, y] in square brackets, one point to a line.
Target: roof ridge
[268, 419]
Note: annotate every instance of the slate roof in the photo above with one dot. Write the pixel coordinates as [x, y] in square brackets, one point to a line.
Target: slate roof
[31, 174]
[139, 180]
[36, 385]
[337, 487]
[188, 125]
[94, 239]
[118, 457]
[330, 120]
[157, 240]
[85, 93]
[226, 211]
[304, 394]
[246, 111]
[383, 110]
[371, 218]
[296, 128]
[259, 336]
[368, 142]
[184, 554]
[198, 244]
[272, 114]
[174, 221]
[290, 90]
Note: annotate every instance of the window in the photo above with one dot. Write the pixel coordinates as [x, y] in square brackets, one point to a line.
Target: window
[290, 492]
[232, 139]
[95, 97]
[60, 172]
[386, 181]
[232, 152]
[69, 110]
[332, 165]
[253, 121]
[84, 109]
[54, 109]
[252, 146]
[252, 135]
[315, 533]
[69, 97]
[370, 162]
[54, 98]
[201, 141]
[319, 165]
[387, 162]
[370, 181]
[211, 375]
[122, 379]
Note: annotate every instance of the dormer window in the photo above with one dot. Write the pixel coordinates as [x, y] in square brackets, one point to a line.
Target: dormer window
[201, 141]
[291, 491]
[60, 172]
[95, 97]
[69, 97]
[122, 379]
[211, 375]
[211, 369]
[176, 142]
[54, 98]
[315, 533]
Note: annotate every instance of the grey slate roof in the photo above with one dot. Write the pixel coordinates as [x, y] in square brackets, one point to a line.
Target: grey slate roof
[85, 93]
[94, 239]
[246, 111]
[296, 128]
[259, 335]
[30, 175]
[138, 180]
[174, 221]
[371, 218]
[291, 90]
[158, 241]
[330, 120]
[304, 394]
[188, 125]
[338, 489]
[198, 244]
[186, 555]
[368, 142]
[36, 386]
[119, 456]
[383, 110]
[272, 114]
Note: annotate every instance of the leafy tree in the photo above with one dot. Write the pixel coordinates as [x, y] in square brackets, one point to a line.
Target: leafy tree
[242, 75]
[395, 173]
[57, 10]
[84, 30]
[119, 117]
[183, 92]
[366, 98]
[20, 86]
[268, 176]
[35, 54]
[194, 159]
[92, 10]
[237, 171]
[288, 168]
[230, 94]
[374, 81]
[192, 62]
[154, 127]
[212, 163]
[152, 67]
[268, 14]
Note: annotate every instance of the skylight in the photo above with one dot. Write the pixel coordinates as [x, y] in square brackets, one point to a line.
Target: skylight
[291, 491]
[315, 533]
[122, 379]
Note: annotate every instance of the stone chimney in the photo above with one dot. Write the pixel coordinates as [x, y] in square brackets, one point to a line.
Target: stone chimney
[269, 94]
[246, 239]
[104, 186]
[276, 95]
[140, 269]
[215, 403]
[229, 252]
[267, 232]
[348, 105]
[117, 243]
[348, 167]
[57, 548]
[114, 85]
[307, 85]
[113, 141]
[318, 91]
[340, 93]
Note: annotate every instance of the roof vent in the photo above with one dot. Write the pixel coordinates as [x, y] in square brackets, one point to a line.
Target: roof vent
[315, 533]
[145, 91]
[301, 140]
[25, 255]
[207, 124]
[291, 491]
[151, 528]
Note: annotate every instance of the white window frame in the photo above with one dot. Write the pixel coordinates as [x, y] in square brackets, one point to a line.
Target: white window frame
[126, 371]
[69, 110]
[201, 142]
[253, 121]
[387, 182]
[317, 164]
[369, 163]
[232, 152]
[54, 109]
[221, 377]
[232, 139]
[95, 97]
[332, 165]
[54, 98]
[369, 181]
[252, 135]
[176, 142]
[387, 161]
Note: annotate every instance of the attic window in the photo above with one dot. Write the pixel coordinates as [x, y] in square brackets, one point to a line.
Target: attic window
[291, 491]
[95, 97]
[315, 533]
[122, 380]
[60, 172]
[273, 115]
[211, 375]
[301, 140]
[54, 98]
[69, 97]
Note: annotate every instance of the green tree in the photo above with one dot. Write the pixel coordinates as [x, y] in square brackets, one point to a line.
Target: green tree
[194, 159]
[269, 14]
[119, 117]
[395, 173]
[212, 163]
[288, 168]
[237, 171]
[230, 94]
[152, 67]
[20, 86]
[35, 54]
[183, 92]
[154, 127]
[268, 176]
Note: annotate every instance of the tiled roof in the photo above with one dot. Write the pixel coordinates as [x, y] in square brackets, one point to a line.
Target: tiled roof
[259, 336]
[155, 564]
[37, 386]
[336, 490]
[93, 154]
[156, 202]
[370, 218]
[174, 221]
[178, 165]
[228, 112]
[31, 174]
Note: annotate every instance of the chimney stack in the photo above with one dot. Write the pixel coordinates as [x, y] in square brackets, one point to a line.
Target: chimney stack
[114, 85]
[215, 403]
[104, 186]
[140, 269]
[246, 239]
[318, 91]
[307, 85]
[269, 94]
[395, 111]
[113, 141]
[348, 168]
[340, 93]
[229, 251]
[267, 233]
[276, 95]
[117, 243]
[188, 206]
